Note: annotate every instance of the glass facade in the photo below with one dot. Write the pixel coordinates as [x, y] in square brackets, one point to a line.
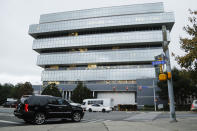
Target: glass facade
[103, 22]
[101, 12]
[92, 75]
[134, 55]
[113, 43]
[99, 39]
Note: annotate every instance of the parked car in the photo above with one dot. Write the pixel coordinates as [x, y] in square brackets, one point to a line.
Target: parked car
[105, 102]
[10, 104]
[36, 109]
[98, 107]
[194, 105]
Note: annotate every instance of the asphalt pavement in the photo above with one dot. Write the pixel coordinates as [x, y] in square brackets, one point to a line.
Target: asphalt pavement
[7, 119]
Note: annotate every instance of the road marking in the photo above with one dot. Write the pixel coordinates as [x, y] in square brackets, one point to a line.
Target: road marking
[96, 121]
[6, 114]
[11, 122]
[143, 116]
[84, 121]
[107, 120]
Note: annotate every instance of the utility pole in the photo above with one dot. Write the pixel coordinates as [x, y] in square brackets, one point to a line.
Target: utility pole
[154, 95]
[169, 80]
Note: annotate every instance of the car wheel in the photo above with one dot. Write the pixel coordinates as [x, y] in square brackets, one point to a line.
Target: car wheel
[39, 118]
[103, 110]
[76, 117]
[90, 110]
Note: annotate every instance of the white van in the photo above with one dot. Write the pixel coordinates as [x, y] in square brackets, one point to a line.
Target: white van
[108, 102]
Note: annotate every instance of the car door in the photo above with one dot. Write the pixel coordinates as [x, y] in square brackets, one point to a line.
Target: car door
[52, 108]
[94, 108]
[67, 109]
[64, 108]
[99, 108]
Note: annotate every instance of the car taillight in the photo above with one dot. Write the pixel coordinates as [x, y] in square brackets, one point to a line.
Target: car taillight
[192, 105]
[26, 108]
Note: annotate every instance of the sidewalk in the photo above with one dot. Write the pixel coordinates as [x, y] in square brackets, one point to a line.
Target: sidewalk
[144, 116]
[184, 124]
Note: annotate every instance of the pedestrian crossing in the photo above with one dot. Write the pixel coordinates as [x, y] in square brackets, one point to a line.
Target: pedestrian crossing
[148, 116]
[82, 121]
[9, 122]
[94, 120]
[6, 114]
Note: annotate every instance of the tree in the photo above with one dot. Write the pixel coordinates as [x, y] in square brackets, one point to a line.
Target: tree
[189, 45]
[183, 88]
[52, 90]
[26, 89]
[5, 92]
[22, 89]
[80, 93]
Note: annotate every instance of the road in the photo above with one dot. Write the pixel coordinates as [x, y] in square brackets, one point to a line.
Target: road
[7, 119]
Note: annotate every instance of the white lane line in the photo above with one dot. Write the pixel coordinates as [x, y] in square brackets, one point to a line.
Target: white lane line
[6, 114]
[10, 122]
[85, 121]
[144, 116]
[96, 121]
[107, 120]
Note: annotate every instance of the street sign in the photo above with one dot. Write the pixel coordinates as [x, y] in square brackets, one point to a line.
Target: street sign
[140, 87]
[158, 62]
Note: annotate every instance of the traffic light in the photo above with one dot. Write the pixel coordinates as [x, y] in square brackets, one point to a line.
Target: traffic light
[162, 77]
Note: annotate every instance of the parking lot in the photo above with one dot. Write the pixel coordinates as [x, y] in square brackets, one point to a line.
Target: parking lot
[98, 121]
[8, 119]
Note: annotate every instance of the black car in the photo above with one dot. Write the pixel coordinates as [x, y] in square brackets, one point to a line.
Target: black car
[10, 104]
[36, 109]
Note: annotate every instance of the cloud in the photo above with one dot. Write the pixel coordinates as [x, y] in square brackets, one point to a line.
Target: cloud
[14, 79]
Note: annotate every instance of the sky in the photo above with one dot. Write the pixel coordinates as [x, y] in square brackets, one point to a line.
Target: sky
[18, 60]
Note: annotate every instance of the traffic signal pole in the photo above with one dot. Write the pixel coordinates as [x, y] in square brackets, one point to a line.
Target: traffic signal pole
[168, 68]
[155, 104]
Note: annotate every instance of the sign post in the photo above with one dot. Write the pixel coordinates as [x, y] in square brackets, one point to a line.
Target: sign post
[170, 85]
[155, 104]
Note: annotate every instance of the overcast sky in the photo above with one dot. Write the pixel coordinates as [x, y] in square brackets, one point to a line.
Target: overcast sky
[18, 60]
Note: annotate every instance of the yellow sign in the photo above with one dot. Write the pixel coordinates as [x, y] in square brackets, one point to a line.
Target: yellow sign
[162, 77]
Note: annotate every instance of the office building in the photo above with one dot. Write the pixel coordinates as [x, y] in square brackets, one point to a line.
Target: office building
[110, 49]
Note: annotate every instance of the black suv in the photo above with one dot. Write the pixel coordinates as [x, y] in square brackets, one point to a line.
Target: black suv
[36, 109]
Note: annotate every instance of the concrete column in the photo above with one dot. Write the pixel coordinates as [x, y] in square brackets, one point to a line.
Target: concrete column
[69, 95]
[93, 94]
[63, 94]
[66, 95]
